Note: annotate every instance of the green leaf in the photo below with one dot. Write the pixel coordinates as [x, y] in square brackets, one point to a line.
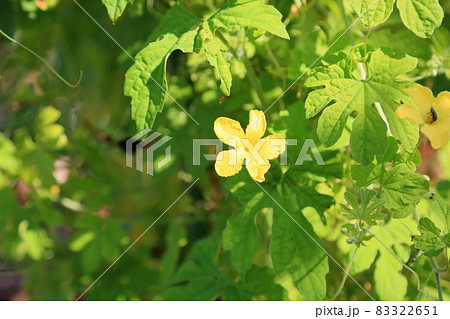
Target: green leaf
[47, 132]
[215, 55]
[341, 94]
[388, 274]
[390, 284]
[366, 211]
[9, 161]
[389, 280]
[402, 187]
[258, 282]
[421, 16]
[240, 235]
[35, 239]
[295, 247]
[365, 127]
[391, 153]
[404, 211]
[380, 11]
[174, 239]
[430, 239]
[237, 14]
[428, 228]
[244, 189]
[81, 241]
[292, 250]
[199, 278]
[294, 125]
[38, 164]
[90, 259]
[364, 258]
[442, 208]
[115, 8]
[148, 93]
[306, 195]
[364, 176]
[145, 81]
[446, 240]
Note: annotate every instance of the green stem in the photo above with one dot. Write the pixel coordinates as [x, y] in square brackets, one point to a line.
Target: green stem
[420, 140]
[254, 81]
[341, 285]
[437, 274]
[249, 68]
[425, 283]
[278, 71]
[398, 259]
[43, 61]
[272, 58]
[347, 23]
[369, 28]
[438, 285]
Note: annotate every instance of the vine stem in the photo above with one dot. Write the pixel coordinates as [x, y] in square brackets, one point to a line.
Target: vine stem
[396, 257]
[424, 284]
[280, 74]
[344, 279]
[249, 68]
[437, 274]
[438, 285]
[43, 61]
[369, 28]
[347, 23]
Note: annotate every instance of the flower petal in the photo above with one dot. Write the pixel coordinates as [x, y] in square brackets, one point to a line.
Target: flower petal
[229, 131]
[422, 97]
[273, 145]
[410, 113]
[437, 133]
[442, 105]
[256, 126]
[257, 171]
[229, 163]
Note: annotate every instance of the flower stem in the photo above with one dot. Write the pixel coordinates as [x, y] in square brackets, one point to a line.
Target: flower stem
[249, 68]
[43, 61]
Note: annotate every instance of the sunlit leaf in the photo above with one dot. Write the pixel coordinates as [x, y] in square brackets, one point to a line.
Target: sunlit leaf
[373, 12]
[343, 94]
[116, 7]
[421, 16]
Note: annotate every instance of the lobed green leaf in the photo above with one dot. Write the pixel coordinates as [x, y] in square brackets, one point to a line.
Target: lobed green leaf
[341, 94]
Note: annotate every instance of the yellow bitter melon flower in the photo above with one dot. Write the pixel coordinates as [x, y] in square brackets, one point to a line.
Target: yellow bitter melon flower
[432, 114]
[248, 146]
